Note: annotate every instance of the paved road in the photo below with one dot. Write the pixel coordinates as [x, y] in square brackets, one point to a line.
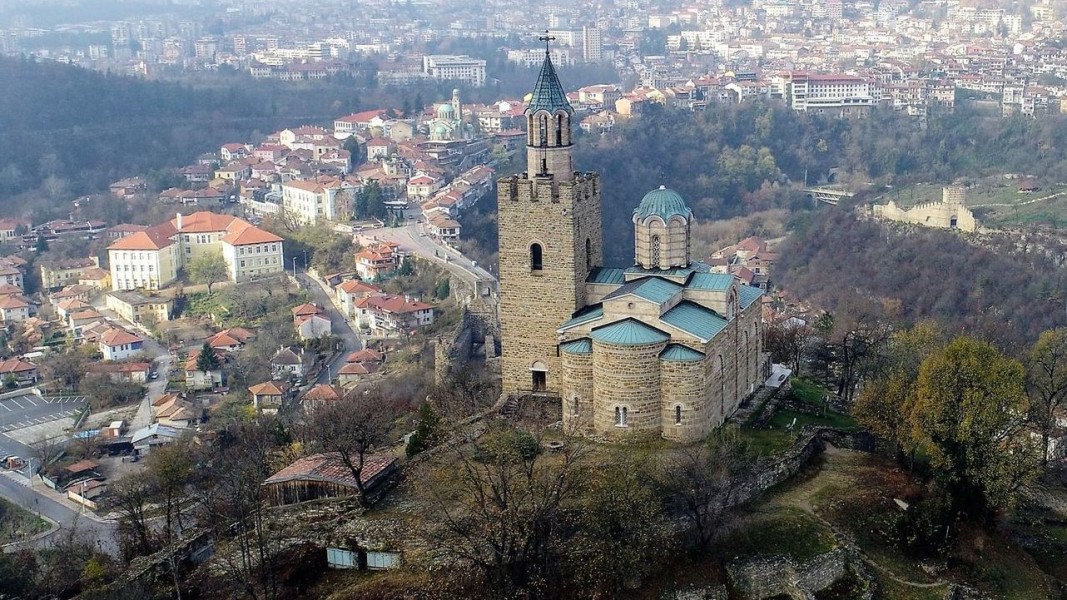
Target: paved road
[339, 325]
[427, 247]
[14, 489]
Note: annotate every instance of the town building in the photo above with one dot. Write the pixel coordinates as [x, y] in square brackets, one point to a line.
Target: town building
[151, 259]
[455, 68]
[840, 95]
[139, 308]
[118, 344]
[661, 348]
[57, 274]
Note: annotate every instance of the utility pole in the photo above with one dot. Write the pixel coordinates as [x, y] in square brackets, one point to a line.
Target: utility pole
[294, 267]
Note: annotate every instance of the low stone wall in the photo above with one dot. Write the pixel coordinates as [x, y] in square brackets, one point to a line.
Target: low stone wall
[755, 579]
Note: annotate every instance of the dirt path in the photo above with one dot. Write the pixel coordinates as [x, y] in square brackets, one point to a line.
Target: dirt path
[839, 471]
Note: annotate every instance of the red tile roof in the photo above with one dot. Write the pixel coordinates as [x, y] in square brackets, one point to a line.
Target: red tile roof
[117, 337]
[329, 468]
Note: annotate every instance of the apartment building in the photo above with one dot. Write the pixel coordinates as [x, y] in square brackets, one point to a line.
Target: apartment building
[448, 67]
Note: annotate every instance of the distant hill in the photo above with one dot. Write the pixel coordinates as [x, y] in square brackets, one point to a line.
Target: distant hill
[90, 128]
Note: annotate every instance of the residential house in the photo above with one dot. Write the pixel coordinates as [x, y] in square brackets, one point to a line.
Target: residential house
[320, 395]
[68, 307]
[11, 229]
[360, 366]
[378, 261]
[78, 320]
[324, 476]
[443, 228]
[118, 344]
[230, 340]
[311, 321]
[139, 308]
[290, 363]
[57, 274]
[14, 308]
[352, 291]
[173, 410]
[422, 186]
[195, 379]
[95, 278]
[269, 396]
[11, 276]
[750, 259]
[390, 315]
[71, 292]
[21, 371]
[131, 186]
[123, 372]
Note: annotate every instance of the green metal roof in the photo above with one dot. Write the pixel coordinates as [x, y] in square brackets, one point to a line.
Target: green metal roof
[578, 346]
[694, 319]
[748, 294]
[663, 203]
[710, 281]
[548, 93]
[652, 289]
[584, 315]
[609, 275]
[680, 353]
[629, 332]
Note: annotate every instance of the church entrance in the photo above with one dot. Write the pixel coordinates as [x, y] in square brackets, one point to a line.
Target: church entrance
[540, 380]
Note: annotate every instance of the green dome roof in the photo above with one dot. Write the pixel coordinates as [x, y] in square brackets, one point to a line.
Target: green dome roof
[663, 203]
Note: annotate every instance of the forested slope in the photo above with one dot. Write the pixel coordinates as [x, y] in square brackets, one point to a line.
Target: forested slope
[734, 159]
[90, 128]
[864, 268]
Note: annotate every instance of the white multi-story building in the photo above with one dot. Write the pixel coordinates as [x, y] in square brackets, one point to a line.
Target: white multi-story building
[151, 259]
[845, 95]
[315, 200]
[449, 67]
[592, 45]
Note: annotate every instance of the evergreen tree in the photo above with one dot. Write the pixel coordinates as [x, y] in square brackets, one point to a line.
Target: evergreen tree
[207, 360]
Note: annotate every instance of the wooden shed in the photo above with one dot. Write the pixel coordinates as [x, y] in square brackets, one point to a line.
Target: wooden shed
[324, 476]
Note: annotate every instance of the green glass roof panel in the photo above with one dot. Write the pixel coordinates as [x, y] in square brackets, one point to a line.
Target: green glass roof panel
[680, 353]
[629, 332]
[578, 346]
[694, 319]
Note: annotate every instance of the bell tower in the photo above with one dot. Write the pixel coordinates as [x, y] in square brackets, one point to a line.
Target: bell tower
[550, 240]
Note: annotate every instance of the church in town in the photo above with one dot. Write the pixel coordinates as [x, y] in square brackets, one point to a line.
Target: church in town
[662, 347]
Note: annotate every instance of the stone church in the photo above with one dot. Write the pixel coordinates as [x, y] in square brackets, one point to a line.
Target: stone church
[663, 347]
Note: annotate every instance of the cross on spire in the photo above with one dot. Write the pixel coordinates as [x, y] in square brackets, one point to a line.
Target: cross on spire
[546, 39]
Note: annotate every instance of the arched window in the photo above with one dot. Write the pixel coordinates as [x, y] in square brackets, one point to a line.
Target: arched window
[536, 257]
[678, 415]
[542, 128]
[588, 254]
[621, 416]
[655, 250]
[559, 130]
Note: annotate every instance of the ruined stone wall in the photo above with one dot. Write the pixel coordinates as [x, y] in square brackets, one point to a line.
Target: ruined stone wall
[563, 217]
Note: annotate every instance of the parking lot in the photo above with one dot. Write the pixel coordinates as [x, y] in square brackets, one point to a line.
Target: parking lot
[21, 412]
[27, 419]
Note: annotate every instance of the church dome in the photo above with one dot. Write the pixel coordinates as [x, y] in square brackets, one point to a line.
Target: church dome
[663, 203]
[444, 111]
[440, 131]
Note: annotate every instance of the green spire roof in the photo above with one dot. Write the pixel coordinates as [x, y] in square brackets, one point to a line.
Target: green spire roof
[548, 94]
[663, 203]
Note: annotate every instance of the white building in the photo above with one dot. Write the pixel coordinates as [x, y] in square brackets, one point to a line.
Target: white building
[316, 200]
[844, 95]
[118, 344]
[151, 259]
[449, 67]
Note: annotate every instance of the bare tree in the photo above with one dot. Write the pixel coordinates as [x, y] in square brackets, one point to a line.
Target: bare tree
[353, 427]
[702, 481]
[499, 508]
[132, 496]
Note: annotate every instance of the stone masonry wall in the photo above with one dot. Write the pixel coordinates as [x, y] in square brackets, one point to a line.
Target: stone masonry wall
[577, 392]
[682, 384]
[626, 376]
[560, 216]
